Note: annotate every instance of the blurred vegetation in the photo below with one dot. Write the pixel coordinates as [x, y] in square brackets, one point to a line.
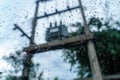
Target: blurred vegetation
[18, 62]
[107, 44]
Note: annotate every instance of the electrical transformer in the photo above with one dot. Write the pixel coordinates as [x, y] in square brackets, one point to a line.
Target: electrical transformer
[56, 32]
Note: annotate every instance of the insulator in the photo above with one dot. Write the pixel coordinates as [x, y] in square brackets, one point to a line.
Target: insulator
[55, 24]
[68, 7]
[56, 10]
[45, 14]
[14, 28]
[60, 23]
[50, 25]
[22, 35]
[43, 0]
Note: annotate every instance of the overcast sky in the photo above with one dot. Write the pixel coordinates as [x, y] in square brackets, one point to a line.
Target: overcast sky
[21, 12]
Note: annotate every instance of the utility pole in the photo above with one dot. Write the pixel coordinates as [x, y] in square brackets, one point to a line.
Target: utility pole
[27, 63]
[96, 73]
[34, 24]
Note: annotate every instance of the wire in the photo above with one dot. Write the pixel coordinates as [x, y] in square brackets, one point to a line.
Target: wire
[29, 19]
[9, 25]
[8, 35]
[23, 22]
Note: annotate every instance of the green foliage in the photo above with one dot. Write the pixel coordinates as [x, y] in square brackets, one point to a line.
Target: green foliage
[16, 61]
[56, 78]
[11, 78]
[95, 22]
[1, 74]
[107, 43]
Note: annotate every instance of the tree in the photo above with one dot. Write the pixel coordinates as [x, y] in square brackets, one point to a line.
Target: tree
[18, 61]
[107, 43]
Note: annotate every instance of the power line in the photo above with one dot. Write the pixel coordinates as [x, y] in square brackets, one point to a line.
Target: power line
[8, 35]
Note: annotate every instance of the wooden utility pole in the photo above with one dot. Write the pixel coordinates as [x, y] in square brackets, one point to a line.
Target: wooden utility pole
[34, 24]
[27, 63]
[96, 73]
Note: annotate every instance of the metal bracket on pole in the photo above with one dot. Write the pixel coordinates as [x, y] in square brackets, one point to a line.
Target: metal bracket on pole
[23, 33]
[58, 12]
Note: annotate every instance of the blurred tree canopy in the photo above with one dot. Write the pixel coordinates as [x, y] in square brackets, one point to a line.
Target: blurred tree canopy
[18, 62]
[107, 44]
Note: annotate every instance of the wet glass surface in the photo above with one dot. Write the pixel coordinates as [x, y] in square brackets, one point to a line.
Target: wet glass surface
[64, 58]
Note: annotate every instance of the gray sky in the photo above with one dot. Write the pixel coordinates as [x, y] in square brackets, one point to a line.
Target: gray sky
[21, 12]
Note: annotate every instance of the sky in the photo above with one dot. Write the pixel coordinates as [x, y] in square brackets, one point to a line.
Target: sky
[22, 11]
